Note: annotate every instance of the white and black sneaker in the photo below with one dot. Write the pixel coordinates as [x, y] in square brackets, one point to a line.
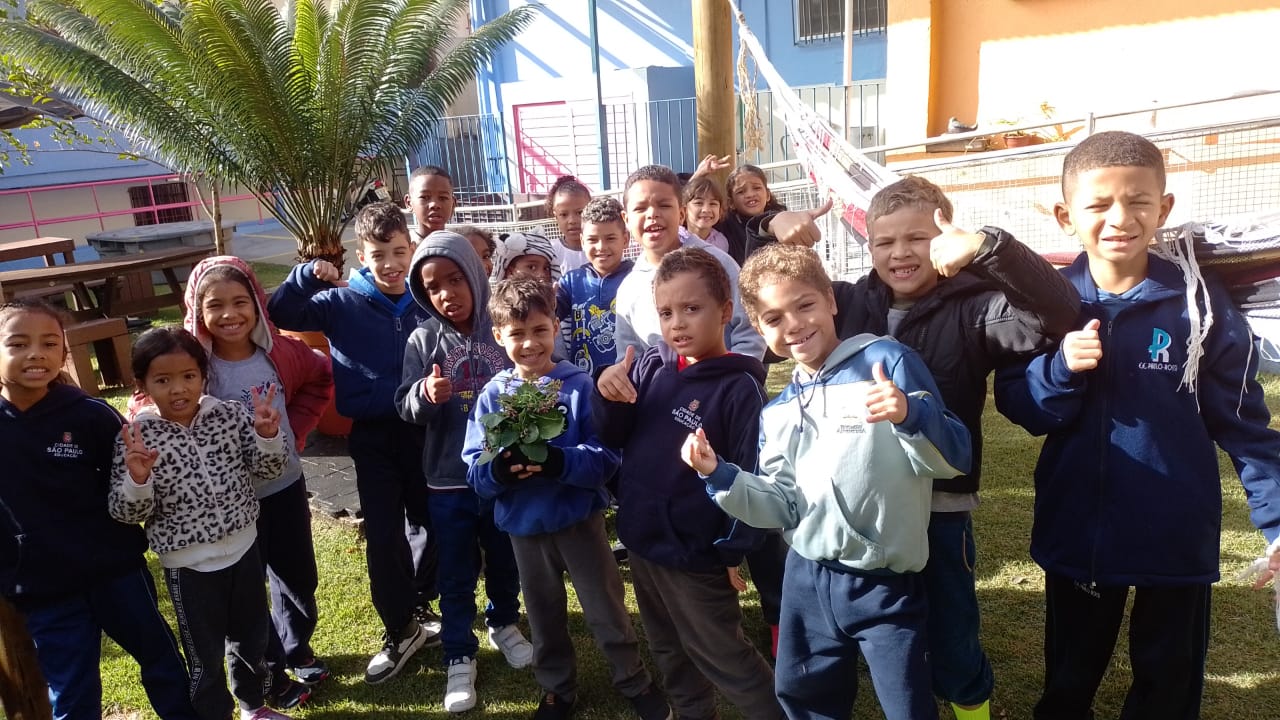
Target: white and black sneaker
[396, 651]
[430, 622]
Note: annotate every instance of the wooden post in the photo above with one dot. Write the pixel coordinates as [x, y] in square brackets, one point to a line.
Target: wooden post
[22, 689]
[713, 78]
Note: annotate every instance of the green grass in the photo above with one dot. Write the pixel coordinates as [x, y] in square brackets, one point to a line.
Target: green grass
[1243, 680]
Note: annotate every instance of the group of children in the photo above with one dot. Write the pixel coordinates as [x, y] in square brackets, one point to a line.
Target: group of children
[867, 464]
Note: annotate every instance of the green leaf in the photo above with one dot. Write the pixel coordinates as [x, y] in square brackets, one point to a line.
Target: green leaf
[491, 420]
[550, 426]
[536, 452]
[505, 438]
[487, 456]
[529, 434]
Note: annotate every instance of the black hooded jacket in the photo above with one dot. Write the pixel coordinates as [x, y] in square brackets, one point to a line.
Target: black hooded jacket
[1006, 306]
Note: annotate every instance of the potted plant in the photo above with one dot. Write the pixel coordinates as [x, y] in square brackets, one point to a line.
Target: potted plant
[527, 419]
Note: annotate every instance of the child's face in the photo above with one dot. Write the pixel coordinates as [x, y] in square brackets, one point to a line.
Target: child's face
[1115, 212]
[431, 200]
[703, 213]
[529, 343]
[32, 351]
[388, 262]
[174, 382]
[448, 290]
[691, 319]
[567, 209]
[229, 312]
[797, 321]
[604, 244]
[654, 215]
[482, 249]
[900, 244]
[749, 195]
[535, 267]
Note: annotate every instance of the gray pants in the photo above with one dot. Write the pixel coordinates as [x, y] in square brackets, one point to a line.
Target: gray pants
[581, 550]
[223, 614]
[694, 626]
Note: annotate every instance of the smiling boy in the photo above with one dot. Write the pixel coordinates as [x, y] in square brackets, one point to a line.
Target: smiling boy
[586, 296]
[367, 319]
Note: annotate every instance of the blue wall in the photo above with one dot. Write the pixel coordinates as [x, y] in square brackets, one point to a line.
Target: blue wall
[643, 33]
[52, 165]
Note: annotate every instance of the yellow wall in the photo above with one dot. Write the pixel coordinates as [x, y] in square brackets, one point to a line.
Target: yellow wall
[989, 60]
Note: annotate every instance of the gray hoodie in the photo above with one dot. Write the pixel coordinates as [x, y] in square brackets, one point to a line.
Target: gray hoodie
[468, 360]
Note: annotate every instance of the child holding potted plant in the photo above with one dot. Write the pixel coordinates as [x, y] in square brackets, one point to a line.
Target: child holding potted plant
[532, 449]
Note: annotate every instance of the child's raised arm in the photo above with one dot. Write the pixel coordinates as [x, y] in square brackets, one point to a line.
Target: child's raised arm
[299, 303]
[261, 442]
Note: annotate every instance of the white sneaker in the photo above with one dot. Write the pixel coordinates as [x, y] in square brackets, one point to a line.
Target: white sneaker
[460, 688]
[509, 639]
[395, 652]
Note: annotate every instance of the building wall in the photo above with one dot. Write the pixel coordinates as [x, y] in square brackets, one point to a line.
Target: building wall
[991, 60]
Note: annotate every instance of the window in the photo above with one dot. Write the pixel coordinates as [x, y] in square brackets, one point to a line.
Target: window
[824, 19]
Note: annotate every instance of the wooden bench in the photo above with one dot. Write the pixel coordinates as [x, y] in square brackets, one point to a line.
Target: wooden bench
[109, 340]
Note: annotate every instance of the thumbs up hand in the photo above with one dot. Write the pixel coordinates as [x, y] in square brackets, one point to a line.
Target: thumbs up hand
[615, 382]
[884, 400]
[698, 454]
[953, 248]
[797, 227]
[437, 387]
[1082, 349]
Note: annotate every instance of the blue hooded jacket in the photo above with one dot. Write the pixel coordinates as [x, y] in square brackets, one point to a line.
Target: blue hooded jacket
[367, 335]
[1127, 485]
[545, 504]
[665, 514]
[586, 310]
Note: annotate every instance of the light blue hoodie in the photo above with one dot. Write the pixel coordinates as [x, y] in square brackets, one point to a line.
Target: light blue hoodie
[848, 493]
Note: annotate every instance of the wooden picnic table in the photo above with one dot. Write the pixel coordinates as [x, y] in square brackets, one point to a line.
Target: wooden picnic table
[110, 273]
[46, 247]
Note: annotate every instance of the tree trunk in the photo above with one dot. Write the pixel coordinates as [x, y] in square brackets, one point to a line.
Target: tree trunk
[219, 236]
[22, 688]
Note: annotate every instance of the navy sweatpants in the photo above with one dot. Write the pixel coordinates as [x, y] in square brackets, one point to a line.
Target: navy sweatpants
[828, 617]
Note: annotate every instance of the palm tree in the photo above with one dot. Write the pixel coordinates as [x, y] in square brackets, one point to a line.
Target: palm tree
[285, 102]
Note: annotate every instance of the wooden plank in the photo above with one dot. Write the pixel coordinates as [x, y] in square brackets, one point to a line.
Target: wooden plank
[45, 247]
[111, 271]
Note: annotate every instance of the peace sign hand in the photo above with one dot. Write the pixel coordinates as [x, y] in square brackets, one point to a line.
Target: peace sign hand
[711, 164]
[266, 419]
[138, 458]
[953, 248]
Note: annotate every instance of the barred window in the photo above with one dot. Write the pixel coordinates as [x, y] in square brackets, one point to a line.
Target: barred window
[817, 20]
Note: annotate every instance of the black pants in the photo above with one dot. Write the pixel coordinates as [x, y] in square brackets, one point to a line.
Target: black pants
[289, 561]
[223, 612]
[388, 458]
[1168, 639]
[766, 565]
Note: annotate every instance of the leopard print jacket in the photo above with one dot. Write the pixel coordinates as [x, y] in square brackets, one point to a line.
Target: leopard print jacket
[201, 488]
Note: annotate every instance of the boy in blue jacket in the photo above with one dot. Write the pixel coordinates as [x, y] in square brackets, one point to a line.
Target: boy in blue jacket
[368, 318]
[449, 359]
[1127, 487]
[585, 296]
[685, 550]
[849, 452]
[554, 510]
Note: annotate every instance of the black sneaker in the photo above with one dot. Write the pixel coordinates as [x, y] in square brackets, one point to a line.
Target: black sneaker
[395, 652]
[430, 622]
[313, 672]
[620, 554]
[285, 694]
[553, 707]
[651, 704]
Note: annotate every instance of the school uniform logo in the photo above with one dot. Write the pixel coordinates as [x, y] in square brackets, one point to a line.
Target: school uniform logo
[67, 449]
[1158, 351]
[688, 415]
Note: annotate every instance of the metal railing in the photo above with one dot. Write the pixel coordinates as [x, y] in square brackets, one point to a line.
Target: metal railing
[41, 224]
